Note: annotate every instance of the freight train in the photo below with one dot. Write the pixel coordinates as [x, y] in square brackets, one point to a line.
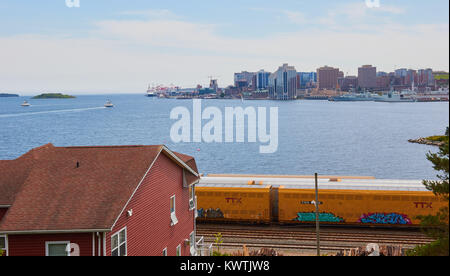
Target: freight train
[363, 201]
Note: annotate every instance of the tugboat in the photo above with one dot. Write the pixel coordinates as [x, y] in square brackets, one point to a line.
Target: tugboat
[25, 103]
[109, 104]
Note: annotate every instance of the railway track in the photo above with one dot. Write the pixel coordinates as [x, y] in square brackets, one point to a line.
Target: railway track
[288, 238]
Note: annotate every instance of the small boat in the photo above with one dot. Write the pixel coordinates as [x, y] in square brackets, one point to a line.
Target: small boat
[109, 104]
[25, 103]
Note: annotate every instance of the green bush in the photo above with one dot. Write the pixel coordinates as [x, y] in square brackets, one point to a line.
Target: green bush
[437, 248]
[437, 226]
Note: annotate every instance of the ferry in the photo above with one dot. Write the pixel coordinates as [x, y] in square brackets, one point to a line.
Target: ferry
[25, 103]
[151, 92]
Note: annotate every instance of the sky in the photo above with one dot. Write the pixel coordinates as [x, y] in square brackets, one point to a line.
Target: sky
[122, 46]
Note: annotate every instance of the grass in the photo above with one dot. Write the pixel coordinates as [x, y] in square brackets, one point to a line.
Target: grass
[442, 77]
[438, 138]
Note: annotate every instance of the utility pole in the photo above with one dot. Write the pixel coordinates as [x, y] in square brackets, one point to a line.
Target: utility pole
[317, 215]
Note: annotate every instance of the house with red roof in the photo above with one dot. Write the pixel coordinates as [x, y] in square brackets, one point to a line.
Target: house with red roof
[98, 201]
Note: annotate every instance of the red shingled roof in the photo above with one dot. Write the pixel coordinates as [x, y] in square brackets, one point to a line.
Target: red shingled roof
[74, 188]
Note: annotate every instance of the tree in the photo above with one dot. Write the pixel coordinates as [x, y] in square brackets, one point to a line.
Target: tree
[437, 226]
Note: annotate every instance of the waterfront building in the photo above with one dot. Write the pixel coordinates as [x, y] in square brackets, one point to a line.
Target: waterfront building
[243, 79]
[283, 83]
[367, 77]
[100, 201]
[401, 72]
[349, 83]
[327, 77]
[425, 77]
[214, 85]
[411, 77]
[262, 79]
[306, 79]
[384, 82]
[400, 75]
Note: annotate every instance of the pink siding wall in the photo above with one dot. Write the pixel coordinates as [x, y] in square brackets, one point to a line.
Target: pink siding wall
[34, 245]
[148, 229]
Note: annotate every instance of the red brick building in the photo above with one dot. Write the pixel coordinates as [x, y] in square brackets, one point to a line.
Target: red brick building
[100, 201]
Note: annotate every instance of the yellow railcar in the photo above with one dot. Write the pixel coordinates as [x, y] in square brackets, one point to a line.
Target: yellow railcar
[357, 207]
[343, 200]
[233, 203]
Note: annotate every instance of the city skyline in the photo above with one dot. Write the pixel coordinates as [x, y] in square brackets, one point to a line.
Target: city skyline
[118, 47]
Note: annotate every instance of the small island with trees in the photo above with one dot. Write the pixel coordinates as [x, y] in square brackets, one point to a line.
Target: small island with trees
[6, 95]
[53, 96]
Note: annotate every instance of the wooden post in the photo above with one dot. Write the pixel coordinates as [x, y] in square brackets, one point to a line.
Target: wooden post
[317, 216]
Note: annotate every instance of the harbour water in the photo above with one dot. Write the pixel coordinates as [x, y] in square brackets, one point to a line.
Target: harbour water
[333, 138]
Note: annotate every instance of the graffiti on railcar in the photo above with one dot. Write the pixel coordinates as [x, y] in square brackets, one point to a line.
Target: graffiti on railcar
[385, 218]
[210, 213]
[323, 217]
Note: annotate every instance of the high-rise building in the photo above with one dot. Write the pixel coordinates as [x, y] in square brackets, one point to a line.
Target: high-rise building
[306, 79]
[213, 84]
[327, 77]
[411, 77]
[400, 76]
[425, 77]
[367, 77]
[283, 83]
[262, 80]
[401, 72]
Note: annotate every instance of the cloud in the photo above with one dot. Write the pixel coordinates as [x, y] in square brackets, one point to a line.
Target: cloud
[295, 17]
[152, 14]
[359, 13]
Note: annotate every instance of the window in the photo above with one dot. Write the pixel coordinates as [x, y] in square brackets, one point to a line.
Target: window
[119, 243]
[179, 250]
[191, 197]
[165, 252]
[3, 245]
[58, 248]
[173, 217]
